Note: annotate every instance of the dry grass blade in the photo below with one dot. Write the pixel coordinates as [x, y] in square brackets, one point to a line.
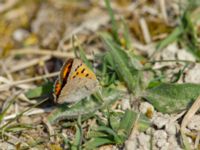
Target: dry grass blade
[30, 63]
[5, 86]
[145, 30]
[45, 52]
[34, 111]
[163, 10]
[193, 109]
[135, 128]
[197, 140]
[7, 5]
[49, 129]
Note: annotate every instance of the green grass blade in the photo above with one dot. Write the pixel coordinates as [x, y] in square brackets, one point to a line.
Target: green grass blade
[20, 114]
[126, 123]
[121, 60]
[18, 127]
[127, 37]
[172, 37]
[40, 91]
[128, 120]
[96, 142]
[76, 145]
[107, 130]
[79, 52]
[3, 113]
[113, 21]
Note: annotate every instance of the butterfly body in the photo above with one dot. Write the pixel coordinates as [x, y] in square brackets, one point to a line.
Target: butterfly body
[75, 82]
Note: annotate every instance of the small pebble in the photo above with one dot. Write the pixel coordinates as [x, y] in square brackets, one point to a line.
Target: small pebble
[160, 138]
[165, 146]
[194, 124]
[160, 120]
[170, 128]
[173, 144]
[131, 144]
[144, 141]
[20, 35]
[168, 53]
[126, 104]
[160, 134]
[193, 75]
[185, 55]
[161, 142]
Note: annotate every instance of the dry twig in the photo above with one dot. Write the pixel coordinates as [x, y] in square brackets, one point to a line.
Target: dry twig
[193, 109]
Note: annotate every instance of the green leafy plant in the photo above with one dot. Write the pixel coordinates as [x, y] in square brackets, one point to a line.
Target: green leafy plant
[186, 33]
[122, 65]
[117, 129]
[169, 98]
[84, 107]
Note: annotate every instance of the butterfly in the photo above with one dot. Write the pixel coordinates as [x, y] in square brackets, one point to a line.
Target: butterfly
[75, 82]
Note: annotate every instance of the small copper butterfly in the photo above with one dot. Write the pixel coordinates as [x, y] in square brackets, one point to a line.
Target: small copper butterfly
[75, 82]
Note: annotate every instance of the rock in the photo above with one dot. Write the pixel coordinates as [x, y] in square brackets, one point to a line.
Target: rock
[131, 144]
[20, 35]
[165, 146]
[144, 141]
[108, 147]
[193, 75]
[160, 120]
[161, 142]
[169, 53]
[173, 144]
[126, 103]
[150, 130]
[194, 124]
[160, 134]
[170, 128]
[185, 55]
[160, 138]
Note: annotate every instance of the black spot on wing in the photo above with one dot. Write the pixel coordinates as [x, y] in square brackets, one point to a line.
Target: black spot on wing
[78, 67]
[82, 71]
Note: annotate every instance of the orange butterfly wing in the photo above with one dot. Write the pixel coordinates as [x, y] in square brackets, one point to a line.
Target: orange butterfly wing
[62, 80]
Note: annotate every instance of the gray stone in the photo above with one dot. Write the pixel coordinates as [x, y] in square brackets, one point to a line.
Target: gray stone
[160, 120]
[170, 128]
[20, 35]
[194, 124]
